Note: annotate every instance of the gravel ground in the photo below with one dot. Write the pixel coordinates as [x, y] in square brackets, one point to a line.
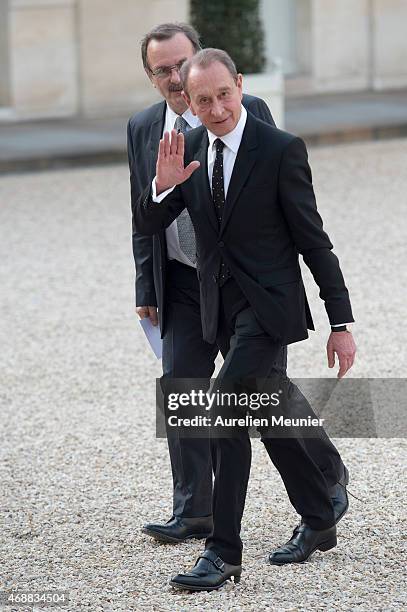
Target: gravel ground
[81, 470]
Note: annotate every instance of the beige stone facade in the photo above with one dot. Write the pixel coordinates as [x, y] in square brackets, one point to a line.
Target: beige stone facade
[68, 57]
[338, 45]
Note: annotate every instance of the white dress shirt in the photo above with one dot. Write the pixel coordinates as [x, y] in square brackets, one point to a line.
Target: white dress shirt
[232, 143]
[171, 233]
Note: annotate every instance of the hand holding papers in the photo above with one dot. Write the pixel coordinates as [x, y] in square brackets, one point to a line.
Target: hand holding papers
[153, 336]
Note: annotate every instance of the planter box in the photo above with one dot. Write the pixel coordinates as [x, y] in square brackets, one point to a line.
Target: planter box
[270, 87]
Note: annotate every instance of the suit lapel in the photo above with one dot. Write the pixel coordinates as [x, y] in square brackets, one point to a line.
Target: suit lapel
[245, 160]
[156, 135]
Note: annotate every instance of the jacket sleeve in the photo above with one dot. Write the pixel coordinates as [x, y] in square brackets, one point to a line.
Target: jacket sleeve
[152, 217]
[142, 245]
[259, 109]
[305, 224]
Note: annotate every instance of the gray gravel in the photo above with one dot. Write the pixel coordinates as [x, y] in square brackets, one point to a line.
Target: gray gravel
[81, 470]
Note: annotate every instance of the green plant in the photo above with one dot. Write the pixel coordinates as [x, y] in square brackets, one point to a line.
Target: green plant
[232, 25]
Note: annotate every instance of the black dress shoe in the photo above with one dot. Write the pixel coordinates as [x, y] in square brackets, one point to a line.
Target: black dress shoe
[179, 529]
[209, 574]
[303, 543]
[339, 496]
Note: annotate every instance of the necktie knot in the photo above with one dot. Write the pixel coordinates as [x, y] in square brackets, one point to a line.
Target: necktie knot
[219, 146]
[181, 125]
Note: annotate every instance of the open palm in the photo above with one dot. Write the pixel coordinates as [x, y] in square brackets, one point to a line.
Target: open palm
[170, 169]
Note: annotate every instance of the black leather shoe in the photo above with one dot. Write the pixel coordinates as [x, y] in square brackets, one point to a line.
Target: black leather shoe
[303, 543]
[209, 574]
[179, 529]
[339, 496]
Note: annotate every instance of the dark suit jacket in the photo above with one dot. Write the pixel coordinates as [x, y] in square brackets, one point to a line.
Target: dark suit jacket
[270, 217]
[144, 131]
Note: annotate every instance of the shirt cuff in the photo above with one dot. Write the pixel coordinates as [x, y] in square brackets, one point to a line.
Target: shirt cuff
[159, 198]
[340, 324]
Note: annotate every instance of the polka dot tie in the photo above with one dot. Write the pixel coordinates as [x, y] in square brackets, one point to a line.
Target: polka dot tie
[218, 197]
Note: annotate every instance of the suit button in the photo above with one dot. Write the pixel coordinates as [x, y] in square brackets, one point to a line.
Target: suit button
[221, 244]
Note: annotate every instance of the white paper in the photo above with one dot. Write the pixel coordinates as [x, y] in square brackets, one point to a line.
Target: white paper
[152, 333]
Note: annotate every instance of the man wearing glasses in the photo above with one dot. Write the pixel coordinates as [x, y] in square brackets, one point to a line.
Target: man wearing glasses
[167, 288]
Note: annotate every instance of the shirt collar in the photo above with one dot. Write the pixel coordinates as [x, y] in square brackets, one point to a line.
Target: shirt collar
[191, 119]
[233, 139]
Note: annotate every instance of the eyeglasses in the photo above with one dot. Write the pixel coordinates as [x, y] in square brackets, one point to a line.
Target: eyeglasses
[165, 71]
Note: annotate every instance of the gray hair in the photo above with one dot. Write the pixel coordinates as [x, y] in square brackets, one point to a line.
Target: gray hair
[165, 31]
[204, 59]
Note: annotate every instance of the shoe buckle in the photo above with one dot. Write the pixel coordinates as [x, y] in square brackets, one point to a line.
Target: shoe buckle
[219, 563]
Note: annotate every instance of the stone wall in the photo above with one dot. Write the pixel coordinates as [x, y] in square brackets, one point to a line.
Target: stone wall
[68, 57]
[338, 45]
[42, 57]
[390, 44]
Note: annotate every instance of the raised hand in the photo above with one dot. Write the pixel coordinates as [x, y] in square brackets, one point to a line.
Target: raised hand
[170, 169]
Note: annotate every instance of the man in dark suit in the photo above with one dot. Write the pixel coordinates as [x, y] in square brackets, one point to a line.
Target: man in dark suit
[166, 281]
[252, 204]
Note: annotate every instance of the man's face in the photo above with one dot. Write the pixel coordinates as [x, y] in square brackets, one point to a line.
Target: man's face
[215, 97]
[162, 55]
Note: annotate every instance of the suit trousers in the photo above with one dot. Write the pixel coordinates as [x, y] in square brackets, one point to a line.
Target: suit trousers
[251, 354]
[187, 355]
